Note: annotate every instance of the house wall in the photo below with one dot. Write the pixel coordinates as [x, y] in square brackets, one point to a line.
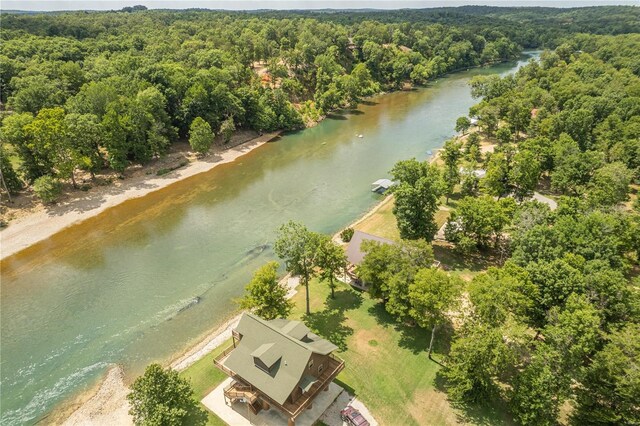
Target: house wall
[318, 360]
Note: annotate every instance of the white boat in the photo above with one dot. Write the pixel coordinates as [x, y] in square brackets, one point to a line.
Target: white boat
[360, 136]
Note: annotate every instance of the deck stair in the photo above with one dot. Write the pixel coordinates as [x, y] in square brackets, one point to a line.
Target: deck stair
[237, 391]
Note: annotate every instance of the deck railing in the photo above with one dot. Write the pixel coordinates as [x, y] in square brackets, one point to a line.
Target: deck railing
[318, 386]
[296, 408]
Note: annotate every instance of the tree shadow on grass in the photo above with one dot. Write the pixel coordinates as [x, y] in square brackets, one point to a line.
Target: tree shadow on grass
[345, 300]
[412, 337]
[196, 415]
[452, 261]
[492, 411]
[330, 325]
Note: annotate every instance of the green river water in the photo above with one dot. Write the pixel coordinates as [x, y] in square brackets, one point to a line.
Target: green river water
[121, 287]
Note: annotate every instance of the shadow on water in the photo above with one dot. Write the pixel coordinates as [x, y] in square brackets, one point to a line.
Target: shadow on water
[336, 116]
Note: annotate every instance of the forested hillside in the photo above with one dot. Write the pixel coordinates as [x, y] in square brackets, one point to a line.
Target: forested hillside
[553, 332]
[88, 90]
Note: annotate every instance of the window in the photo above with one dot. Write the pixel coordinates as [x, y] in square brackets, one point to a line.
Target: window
[320, 368]
[310, 363]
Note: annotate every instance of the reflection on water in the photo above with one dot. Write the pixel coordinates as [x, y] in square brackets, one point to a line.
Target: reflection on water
[142, 280]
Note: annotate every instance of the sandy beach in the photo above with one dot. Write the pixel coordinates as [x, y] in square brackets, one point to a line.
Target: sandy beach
[42, 223]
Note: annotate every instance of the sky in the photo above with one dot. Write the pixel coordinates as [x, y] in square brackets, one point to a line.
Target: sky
[48, 5]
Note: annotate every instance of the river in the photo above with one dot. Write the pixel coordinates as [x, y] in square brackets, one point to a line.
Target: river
[143, 280]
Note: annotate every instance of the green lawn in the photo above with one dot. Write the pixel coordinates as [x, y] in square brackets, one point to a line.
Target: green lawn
[204, 378]
[386, 363]
[381, 222]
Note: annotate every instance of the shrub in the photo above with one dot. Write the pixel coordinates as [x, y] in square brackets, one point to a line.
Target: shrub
[162, 397]
[47, 188]
[347, 234]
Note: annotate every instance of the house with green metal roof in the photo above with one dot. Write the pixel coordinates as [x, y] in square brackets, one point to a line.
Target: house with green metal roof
[278, 363]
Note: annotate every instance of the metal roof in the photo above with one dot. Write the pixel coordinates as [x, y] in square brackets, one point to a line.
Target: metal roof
[354, 253]
[283, 346]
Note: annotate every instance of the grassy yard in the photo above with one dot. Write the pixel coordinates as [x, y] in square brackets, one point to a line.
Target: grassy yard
[204, 378]
[386, 363]
[381, 222]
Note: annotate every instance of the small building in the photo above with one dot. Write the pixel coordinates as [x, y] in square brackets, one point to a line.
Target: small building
[277, 363]
[381, 185]
[355, 255]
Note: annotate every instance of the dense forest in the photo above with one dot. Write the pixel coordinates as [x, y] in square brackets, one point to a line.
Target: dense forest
[551, 329]
[82, 91]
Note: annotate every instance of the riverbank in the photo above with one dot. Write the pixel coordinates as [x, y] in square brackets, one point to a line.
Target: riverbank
[107, 403]
[41, 223]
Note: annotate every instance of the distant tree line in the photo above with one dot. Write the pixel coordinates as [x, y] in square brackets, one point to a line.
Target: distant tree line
[88, 90]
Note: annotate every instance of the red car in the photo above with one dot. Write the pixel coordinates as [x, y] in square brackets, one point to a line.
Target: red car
[353, 417]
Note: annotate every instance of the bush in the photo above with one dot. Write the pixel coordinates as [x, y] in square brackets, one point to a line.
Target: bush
[162, 397]
[47, 188]
[347, 234]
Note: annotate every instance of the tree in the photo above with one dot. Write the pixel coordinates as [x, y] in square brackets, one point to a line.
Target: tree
[497, 179]
[86, 136]
[479, 219]
[572, 168]
[200, 136]
[47, 188]
[50, 140]
[503, 135]
[265, 295]
[478, 355]
[416, 199]
[298, 247]
[331, 260]
[9, 178]
[463, 124]
[451, 155]
[609, 393]
[524, 174]
[432, 295]
[385, 265]
[161, 397]
[610, 184]
[539, 389]
[502, 294]
[227, 128]
[380, 263]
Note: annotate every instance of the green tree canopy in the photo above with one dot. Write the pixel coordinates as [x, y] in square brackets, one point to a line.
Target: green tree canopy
[200, 136]
[162, 397]
[265, 295]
